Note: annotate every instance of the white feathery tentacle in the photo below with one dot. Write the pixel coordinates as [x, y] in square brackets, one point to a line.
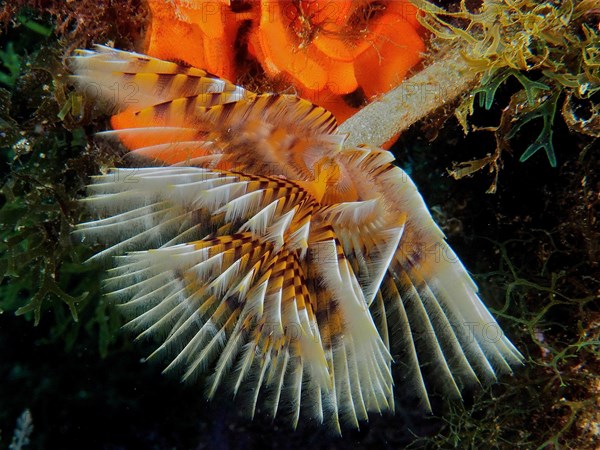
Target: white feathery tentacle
[270, 258]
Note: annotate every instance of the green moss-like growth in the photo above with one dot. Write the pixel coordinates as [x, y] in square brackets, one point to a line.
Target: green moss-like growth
[11, 62]
[46, 166]
[550, 47]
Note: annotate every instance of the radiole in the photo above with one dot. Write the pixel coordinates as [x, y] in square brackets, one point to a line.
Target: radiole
[267, 256]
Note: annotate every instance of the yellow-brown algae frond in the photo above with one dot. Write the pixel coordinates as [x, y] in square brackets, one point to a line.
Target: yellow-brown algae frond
[263, 257]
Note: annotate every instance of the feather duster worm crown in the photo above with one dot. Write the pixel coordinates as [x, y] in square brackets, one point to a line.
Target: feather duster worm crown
[270, 258]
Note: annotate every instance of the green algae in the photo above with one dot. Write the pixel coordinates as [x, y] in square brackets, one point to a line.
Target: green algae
[552, 48]
[11, 62]
[45, 166]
